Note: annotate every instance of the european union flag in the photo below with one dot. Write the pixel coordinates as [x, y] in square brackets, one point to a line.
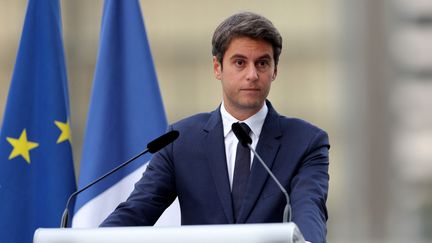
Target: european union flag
[36, 169]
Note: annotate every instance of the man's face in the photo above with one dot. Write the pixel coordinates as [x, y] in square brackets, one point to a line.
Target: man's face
[246, 75]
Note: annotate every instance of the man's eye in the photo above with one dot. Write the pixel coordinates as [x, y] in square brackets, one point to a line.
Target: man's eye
[239, 62]
[263, 63]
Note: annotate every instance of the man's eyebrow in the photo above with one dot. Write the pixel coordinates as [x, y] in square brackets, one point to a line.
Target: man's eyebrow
[235, 56]
[265, 56]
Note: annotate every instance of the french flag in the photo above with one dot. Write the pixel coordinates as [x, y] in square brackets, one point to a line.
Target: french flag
[126, 112]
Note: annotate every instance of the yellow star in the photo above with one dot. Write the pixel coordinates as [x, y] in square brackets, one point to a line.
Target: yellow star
[65, 131]
[21, 146]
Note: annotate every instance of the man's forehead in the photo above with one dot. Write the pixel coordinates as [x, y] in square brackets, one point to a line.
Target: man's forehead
[244, 43]
[246, 39]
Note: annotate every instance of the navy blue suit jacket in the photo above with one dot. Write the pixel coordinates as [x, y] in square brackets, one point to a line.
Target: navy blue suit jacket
[194, 168]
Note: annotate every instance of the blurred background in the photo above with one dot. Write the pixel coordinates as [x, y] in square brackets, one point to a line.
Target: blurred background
[361, 70]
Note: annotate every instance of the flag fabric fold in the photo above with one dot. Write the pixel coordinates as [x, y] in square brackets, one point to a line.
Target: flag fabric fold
[126, 112]
[36, 167]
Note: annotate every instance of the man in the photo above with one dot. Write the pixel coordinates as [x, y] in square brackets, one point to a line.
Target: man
[201, 168]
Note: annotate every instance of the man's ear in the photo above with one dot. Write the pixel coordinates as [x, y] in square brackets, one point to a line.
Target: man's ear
[217, 68]
[274, 74]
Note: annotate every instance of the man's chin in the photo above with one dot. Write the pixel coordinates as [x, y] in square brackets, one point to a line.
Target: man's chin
[251, 105]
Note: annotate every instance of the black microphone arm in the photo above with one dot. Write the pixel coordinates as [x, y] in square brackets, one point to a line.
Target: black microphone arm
[246, 141]
[152, 147]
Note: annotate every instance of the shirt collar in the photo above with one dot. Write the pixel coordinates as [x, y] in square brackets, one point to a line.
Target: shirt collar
[255, 122]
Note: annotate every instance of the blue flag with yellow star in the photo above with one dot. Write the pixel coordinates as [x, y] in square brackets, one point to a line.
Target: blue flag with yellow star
[36, 169]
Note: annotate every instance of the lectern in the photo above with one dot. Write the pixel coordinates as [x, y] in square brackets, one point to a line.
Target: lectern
[251, 233]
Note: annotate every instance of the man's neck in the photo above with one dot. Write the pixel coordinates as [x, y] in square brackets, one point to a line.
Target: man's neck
[242, 114]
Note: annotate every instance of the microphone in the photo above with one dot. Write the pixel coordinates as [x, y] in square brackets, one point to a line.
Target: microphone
[152, 147]
[162, 141]
[246, 141]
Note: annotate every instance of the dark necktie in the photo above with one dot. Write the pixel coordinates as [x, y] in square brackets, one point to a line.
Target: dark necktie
[241, 174]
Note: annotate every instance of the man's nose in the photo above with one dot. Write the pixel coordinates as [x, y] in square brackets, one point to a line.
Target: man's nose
[252, 73]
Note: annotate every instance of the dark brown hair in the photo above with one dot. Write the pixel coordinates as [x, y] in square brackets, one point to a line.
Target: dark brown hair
[245, 24]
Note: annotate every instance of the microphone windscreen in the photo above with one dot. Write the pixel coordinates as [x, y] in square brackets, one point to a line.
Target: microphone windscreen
[162, 141]
[241, 134]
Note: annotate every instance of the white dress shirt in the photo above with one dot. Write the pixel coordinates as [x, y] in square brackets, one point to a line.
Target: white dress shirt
[255, 123]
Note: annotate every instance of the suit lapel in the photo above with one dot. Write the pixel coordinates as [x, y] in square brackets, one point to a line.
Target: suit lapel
[267, 148]
[214, 147]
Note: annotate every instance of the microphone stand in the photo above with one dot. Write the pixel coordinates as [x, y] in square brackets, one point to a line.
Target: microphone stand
[65, 216]
[287, 210]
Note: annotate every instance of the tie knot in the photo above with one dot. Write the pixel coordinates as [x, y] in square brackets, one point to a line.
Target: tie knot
[245, 127]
